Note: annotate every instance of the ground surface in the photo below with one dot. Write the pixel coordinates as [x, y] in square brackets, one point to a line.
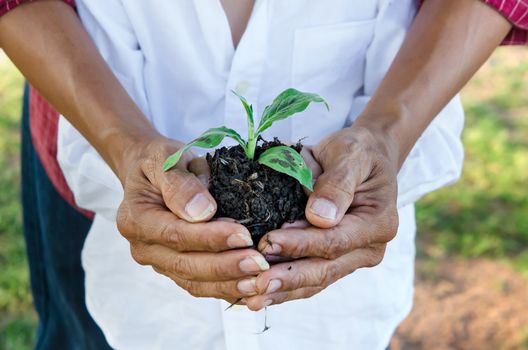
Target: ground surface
[472, 274]
[467, 304]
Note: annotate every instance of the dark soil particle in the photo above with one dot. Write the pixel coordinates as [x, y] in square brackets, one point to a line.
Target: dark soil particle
[258, 197]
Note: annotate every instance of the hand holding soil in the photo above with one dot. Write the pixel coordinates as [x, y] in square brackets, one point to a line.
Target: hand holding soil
[163, 215]
[351, 216]
[260, 186]
[351, 213]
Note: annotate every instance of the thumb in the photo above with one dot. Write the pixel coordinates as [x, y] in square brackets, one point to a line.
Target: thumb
[199, 167]
[332, 196]
[184, 193]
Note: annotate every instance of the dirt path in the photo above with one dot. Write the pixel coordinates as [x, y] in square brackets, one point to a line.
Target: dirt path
[472, 304]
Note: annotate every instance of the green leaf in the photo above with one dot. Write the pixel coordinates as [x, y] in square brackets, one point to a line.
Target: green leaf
[249, 110]
[252, 140]
[209, 139]
[289, 102]
[288, 161]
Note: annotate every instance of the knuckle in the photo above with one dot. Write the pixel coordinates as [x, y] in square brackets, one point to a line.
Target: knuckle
[149, 166]
[217, 270]
[210, 242]
[171, 236]
[349, 147]
[390, 227]
[171, 193]
[330, 273]
[129, 224]
[225, 290]
[342, 180]
[331, 255]
[186, 182]
[182, 267]
[138, 254]
[298, 280]
[123, 220]
[335, 244]
[374, 257]
[182, 186]
[301, 250]
[192, 288]
[393, 224]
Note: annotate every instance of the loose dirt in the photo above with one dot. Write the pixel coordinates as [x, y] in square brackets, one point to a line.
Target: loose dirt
[258, 197]
[473, 304]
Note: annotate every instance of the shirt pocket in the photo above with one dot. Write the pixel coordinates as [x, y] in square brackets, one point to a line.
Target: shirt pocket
[329, 60]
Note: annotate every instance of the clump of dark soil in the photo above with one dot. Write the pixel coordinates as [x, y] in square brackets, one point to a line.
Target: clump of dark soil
[258, 197]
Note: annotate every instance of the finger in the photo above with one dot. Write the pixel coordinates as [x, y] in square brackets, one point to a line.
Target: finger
[224, 219]
[259, 302]
[199, 167]
[200, 266]
[156, 225]
[296, 224]
[316, 273]
[333, 193]
[350, 234]
[231, 291]
[184, 194]
[312, 272]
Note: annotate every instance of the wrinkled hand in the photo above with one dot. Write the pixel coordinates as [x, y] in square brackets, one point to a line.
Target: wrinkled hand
[351, 216]
[163, 216]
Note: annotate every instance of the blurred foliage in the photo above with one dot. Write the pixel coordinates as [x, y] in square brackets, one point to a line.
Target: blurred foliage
[484, 214]
[17, 318]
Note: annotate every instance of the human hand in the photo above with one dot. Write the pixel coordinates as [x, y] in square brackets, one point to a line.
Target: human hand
[351, 215]
[164, 217]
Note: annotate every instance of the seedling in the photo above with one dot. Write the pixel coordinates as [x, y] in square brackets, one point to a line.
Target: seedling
[283, 159]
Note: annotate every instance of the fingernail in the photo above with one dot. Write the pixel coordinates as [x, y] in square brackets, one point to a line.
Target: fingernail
[239, 240]
[199, 207]
[273, 286]
[248, 286]
[275, 259]
[267, 303]
[324, 208]
[255, 263]
[272, 249]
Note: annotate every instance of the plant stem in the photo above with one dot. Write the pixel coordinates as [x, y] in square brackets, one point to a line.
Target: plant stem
[251, 146]
[252, 139]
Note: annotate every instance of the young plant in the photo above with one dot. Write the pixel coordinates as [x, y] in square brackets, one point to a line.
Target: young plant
[283, 159]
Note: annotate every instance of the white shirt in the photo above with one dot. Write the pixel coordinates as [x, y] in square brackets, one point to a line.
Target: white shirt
[177, 61]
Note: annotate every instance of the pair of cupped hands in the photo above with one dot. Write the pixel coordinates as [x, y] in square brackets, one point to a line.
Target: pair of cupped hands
[351, 215]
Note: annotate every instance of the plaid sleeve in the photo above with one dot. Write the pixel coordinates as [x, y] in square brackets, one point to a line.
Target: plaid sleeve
[8, 5]
[516, 11]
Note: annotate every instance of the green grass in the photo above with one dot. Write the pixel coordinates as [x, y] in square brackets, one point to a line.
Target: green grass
[485, 214]
[17, 318]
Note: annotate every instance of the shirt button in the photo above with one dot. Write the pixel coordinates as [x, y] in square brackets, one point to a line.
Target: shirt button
[242, 87]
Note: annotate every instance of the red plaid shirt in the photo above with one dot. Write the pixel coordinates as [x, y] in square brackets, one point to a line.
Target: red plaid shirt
[44, 119]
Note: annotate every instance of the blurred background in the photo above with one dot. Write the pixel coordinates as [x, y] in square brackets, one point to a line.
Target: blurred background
[472, 256]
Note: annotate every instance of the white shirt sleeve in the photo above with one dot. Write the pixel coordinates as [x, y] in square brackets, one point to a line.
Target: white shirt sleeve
[93, 183]
[437, 157]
